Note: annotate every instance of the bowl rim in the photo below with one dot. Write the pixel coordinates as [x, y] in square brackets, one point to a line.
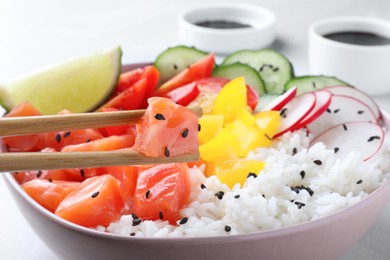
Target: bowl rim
[382, 190]
[315, 30]
[268, 23]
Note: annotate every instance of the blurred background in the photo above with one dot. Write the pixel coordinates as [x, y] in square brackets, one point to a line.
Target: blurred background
[40, 32]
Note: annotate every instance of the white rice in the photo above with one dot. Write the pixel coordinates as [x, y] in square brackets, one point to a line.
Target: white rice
[268, 201]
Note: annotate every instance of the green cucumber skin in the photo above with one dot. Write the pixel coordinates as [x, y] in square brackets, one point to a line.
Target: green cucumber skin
[231, 71]
[310, 83]
[262, 59]
[173, 60]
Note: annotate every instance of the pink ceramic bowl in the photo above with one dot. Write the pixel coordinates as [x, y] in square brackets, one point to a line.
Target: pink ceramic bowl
[325, 238]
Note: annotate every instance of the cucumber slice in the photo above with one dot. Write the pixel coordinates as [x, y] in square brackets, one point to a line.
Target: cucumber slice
[231, 71]
[175, 59]
[273, 67]
[310, 83]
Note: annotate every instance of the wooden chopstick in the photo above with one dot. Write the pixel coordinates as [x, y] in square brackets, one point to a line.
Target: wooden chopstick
[12, 126]
[27, 161]
[62, 160]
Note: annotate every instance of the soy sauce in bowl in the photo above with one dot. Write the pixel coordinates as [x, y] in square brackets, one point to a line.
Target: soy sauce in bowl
[222, 24]
[359, 38]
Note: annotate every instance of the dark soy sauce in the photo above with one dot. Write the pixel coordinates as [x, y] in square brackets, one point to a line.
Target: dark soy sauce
[221, 24]
[359, 38]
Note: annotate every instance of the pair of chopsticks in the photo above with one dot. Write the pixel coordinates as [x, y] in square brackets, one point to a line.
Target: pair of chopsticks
[25, 161]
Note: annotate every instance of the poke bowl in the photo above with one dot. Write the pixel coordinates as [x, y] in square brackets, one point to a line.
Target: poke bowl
[326, 232]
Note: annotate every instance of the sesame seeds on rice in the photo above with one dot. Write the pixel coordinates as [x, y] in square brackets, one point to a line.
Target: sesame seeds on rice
[297, 184]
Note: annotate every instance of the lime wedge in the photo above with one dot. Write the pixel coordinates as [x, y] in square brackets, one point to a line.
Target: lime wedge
[79, 85]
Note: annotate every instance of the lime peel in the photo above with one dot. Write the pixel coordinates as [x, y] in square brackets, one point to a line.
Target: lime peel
[79, 84]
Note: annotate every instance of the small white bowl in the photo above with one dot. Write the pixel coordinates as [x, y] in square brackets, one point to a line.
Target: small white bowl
[363, 66]
[260, 34]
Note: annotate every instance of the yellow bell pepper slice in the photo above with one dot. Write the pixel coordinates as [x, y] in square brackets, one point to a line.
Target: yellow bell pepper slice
[231, 98]
[237, 171]
[210, 127]
[246, 117]
[221, 148]
[268, 121]
[248, 136]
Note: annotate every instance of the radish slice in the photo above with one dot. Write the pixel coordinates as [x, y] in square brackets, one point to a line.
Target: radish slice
[295, 111]
[342, 109]
[355, 93]
[323, 100]
[279, 102]
[363, 137]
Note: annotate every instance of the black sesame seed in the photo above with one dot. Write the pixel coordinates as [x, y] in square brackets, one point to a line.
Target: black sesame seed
[88, 140]
[252, 174]
[183, 221]
[50, 180]
[237, 196]
[292, 201]
[159, 116]
[219, 194]
[136, 222]
[39, 173]
[147, 194]
[283, 112]
[336, 111]
[95, 194]
[318, 162]
[184, 133]
[314, 84]
[302, 173]
[199, 127]
[345, 127]
[275, 69]
[228, 228]
[328, 110]
[175, 66]
[263, 196]
[166, 152]
[360, 112]
[295, 189]
[161, 215]
[58, 138]
[67, 134]
[336, 149]
[309, 190]
[132, 234]
[82, 173]
[202, 186]
[359, 182]
[134, 216]
[372, 138]
[294, 151]
[299, 204]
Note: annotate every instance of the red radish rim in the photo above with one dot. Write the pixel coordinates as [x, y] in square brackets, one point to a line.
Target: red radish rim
[361, 102]
[377, 112]
[279, 102]
[350, 123]
[291, 127]
[308, 119]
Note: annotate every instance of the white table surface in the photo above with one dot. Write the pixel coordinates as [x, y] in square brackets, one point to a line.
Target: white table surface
[37, 33]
